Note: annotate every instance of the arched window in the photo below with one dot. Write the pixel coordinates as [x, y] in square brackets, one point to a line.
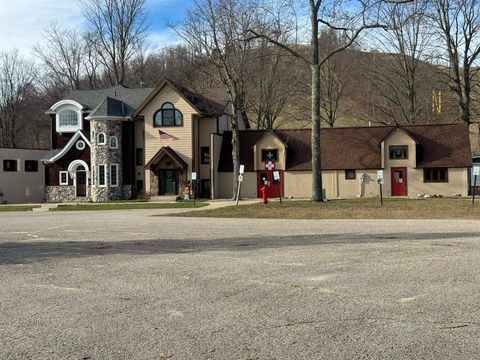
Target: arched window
[101, 139]
[168, 116]
[113, 142]
[68, 118]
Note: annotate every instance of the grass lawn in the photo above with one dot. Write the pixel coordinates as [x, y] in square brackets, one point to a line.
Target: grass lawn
[351, 209]
[129, 206]
[17, 208]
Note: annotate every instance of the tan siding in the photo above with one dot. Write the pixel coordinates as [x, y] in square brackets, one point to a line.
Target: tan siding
[225, 188]
[153, 143]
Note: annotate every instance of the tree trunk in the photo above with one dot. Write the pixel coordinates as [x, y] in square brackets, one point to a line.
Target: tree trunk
[317, 193]
[235, 147]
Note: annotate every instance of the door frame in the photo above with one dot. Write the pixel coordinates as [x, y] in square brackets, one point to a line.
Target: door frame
[392, 179]
[273, 190]
[176, 175]
[76, 185]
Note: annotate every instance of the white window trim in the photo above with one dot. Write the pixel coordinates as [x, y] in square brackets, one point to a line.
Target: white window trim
[116, 172]
[82, 147]
[67, 105]
[104, 176]
[60, 178]
[104, 138]
[110, 142]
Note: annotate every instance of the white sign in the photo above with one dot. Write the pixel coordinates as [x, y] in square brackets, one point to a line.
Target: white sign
[240, 178]
[380, 175]
[242, 169]
[270, 165]
[194, 176]
[276, 175]
[476, 170]
[380, 181]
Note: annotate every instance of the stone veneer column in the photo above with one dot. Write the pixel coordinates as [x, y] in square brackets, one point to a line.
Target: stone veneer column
[104, 155]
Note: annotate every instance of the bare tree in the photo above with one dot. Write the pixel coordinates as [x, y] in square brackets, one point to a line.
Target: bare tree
[333, 75]
[271, 86]
[459, 24]
[216, 30]
[16, 85]
[62, 53]
[350, 20]
[398, 73]
[118, 30]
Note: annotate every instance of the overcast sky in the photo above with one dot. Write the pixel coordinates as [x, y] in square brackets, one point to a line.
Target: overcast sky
[22, 21]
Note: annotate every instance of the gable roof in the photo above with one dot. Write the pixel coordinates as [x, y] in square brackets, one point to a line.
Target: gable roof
[445, 145]
[53, 156]
[168, 151]
[92, 99]
[201, 103]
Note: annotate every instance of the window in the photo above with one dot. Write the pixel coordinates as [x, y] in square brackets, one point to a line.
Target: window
[205, 154]
[113, 175]
[398, 152]
[435, 175]
[63, 178]
[168, 116]
[80, 145]
[102, 176]
[101, 139]
[113, 142]
[10, 165]
[350, 175]
[269, 154]
[31, 166]
[68, 118]
[139, 156]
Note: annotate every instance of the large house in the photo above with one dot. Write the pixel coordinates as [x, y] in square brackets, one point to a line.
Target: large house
[119, 143]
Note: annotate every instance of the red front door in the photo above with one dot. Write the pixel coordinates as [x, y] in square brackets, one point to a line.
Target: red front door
[274, 187]
[399, 181]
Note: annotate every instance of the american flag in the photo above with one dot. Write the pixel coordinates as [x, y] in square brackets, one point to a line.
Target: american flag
[165, 136]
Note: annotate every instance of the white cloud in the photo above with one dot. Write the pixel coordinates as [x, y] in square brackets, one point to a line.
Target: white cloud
[22, 21]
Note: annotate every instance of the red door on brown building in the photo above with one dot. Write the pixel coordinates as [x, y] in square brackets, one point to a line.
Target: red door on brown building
[274, 187]
[81, 179]
[399, 181]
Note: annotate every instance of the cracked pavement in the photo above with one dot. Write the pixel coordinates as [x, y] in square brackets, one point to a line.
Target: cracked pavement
[130, 285]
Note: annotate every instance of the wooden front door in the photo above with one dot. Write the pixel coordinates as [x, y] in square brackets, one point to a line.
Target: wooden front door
[81, 180]
[274, 187]
[399, 181]
[168, 182]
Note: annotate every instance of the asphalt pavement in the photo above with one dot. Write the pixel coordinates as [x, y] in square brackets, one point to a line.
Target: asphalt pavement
[132, 285]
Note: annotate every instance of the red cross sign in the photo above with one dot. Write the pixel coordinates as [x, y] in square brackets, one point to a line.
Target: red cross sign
[269, 165]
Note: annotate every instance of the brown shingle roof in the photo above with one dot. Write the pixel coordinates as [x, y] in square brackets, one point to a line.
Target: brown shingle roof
[357, 148]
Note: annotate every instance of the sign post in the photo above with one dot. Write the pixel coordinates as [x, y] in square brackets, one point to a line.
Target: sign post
[276, 178]
[194, 181]
[240, 179]
[476, 172]
[380, 183]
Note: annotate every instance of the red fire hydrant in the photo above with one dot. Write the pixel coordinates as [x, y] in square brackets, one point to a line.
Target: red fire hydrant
[263, 191]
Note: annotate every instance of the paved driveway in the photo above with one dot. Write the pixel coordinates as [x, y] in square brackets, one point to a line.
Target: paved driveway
[129, 285]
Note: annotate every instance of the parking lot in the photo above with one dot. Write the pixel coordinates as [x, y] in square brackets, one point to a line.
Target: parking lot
[133, 285]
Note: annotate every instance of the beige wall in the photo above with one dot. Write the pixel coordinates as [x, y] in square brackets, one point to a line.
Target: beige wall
[206, 126]
[187, 146]
[269, 141]
[20, 186]
[225, 185]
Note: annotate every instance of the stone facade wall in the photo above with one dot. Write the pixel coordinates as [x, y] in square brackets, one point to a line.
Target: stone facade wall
[104, 155]
[58, 194]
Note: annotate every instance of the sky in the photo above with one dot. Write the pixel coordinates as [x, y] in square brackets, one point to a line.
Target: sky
[22, 21]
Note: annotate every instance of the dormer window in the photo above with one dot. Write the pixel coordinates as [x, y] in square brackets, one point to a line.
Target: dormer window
[68, 116]
[168, 116]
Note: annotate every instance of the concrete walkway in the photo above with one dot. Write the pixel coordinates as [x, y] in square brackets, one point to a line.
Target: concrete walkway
[212, 204]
